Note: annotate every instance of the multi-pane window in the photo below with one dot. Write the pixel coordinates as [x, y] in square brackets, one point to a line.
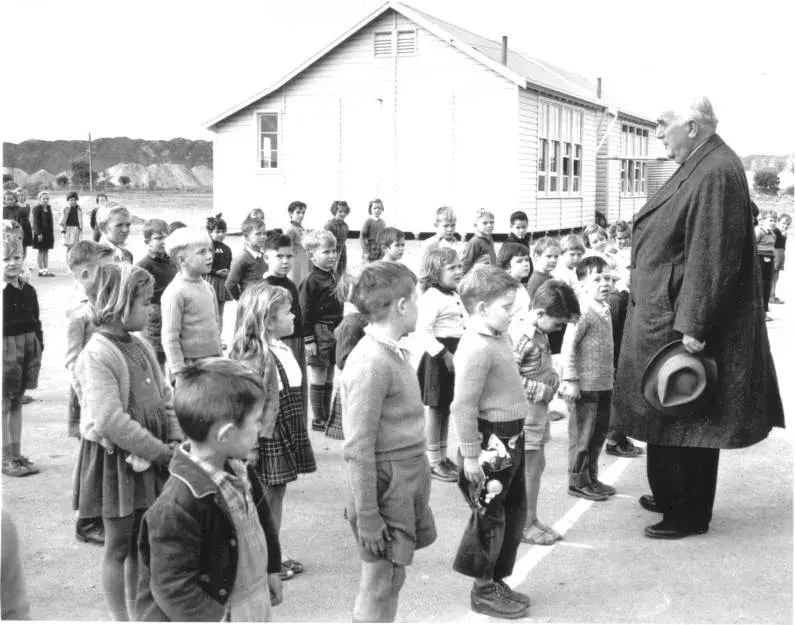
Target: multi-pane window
[559, 149]
[634, 151]
[268, 124]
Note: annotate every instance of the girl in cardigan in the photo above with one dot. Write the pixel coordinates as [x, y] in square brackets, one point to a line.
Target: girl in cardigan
[23, 343]
[264, 316]
[440, 324]
[127, 424]
[222, 261]
[347, 336]
[43, 233]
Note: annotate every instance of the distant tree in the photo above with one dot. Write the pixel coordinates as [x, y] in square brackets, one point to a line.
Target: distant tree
[62, 180]
[124, 181]
[790, 190]
[81, 174]
[7, 178]
[152, 184]
[766, 181]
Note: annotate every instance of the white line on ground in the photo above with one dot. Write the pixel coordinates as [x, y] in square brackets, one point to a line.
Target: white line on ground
[536, 553]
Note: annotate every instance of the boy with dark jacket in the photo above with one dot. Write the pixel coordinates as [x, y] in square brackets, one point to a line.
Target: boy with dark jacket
[208, 547]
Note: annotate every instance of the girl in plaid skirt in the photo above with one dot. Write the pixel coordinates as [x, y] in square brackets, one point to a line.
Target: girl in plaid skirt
[263, 318]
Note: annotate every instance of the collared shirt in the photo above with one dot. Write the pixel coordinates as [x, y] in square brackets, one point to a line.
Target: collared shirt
[255, 253]
[381, 337]
[234, 486]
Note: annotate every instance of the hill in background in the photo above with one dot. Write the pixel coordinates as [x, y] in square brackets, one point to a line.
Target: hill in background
[173, 164]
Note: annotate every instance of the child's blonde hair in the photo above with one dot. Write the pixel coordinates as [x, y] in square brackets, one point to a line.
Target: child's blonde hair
[12, 244]
[318, 239]
[115, 289]
[255, 312]
[433, 263]
[12, 227]
[183, 239]
[485, 283]
[104, 213]
[483, 212]
[444, 212]
[346, 283]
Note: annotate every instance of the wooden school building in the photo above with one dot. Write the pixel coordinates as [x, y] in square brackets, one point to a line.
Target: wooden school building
[421, 113]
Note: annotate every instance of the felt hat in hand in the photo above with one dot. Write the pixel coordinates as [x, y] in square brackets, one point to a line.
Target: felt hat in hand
[677, 382]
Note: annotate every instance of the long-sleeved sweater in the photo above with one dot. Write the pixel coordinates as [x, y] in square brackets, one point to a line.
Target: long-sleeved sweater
[765, 241]
[162, 270]
[382, 416]
[368, 237]
[247, 268]
[102, 383]
[587, 352]
[487, 384]
[534, 360]
[79, 326]
[319, 303]
[21, 311]
[441, 314]
[190, 321]
[477, 249]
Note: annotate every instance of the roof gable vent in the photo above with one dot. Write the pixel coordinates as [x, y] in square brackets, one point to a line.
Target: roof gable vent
[406, 42]
[382, 44]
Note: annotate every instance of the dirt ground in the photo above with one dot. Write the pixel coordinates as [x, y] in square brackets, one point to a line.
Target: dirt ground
[604, 556]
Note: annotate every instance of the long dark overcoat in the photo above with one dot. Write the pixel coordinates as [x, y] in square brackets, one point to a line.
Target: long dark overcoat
[695, 271]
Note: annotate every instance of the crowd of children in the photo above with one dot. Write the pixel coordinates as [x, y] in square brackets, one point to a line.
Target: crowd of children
[380, 358]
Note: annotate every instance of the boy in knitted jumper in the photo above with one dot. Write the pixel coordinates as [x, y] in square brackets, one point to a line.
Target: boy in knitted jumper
[190, 312]
[489, 410]
[384, 424]
[587, 358]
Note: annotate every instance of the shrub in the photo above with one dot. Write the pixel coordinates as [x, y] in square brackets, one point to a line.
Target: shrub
[766, 181]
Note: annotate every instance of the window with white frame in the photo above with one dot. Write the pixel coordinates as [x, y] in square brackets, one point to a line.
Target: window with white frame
[559, 150]
[268, 138]
[634, 152]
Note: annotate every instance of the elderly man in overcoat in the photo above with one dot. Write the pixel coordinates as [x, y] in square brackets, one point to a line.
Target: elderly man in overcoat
[695, 276]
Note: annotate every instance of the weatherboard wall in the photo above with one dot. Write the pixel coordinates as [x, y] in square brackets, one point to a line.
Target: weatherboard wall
[417, 131]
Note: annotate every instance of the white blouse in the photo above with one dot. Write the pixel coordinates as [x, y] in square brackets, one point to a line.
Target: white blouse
[439, 315]
[291, 367]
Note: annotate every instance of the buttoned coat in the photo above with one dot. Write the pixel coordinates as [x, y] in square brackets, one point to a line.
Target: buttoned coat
[694, 271]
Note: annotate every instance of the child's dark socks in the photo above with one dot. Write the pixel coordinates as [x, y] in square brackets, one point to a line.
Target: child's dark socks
[317, 393]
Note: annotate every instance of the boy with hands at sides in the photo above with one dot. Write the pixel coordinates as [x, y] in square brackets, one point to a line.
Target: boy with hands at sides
[208, 547]
[489, 409]
[587, 358]
[190, 328]
[388, 471]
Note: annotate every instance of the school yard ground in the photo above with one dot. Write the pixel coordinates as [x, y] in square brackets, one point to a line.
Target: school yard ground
[605, 571]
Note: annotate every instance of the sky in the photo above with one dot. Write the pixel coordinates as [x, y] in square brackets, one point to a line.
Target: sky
[158, 69]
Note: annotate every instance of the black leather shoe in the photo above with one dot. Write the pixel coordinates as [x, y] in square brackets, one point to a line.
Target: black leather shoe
[647, 503]
[670, 532]
[587, 492]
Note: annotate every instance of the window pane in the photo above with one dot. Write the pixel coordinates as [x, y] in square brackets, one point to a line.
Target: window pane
[623, 176]
[269, 122]
[542, 155]
[564, 183]
[554, 157]
[576, 167]
[576, 185]
[541, 182]
[553, 183]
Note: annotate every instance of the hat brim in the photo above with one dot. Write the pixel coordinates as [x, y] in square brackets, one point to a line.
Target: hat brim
[648, 380]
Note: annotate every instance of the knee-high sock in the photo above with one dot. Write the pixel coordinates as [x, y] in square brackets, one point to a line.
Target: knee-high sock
[328, 389]
[317, 394]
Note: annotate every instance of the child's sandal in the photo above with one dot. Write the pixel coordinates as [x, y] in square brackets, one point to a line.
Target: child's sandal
[534, 535]
[286, 573]
[294, 565]
[549, 530]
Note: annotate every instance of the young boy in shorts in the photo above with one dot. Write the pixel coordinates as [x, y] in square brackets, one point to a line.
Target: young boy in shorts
[383, 418]
[587, 358]
[489, 410]
[554, 305]
[190, 313]
[208, 547]
[445, 236]
[322, 312]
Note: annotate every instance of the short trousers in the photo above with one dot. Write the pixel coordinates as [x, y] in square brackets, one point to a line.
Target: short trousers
[404, 490]
[536, 432]
[779, 254]
[326, 347]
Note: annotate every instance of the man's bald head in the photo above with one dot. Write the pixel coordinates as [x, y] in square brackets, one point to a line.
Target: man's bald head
[685, 126]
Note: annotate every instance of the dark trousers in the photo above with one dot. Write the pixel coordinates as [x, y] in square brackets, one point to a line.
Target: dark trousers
[587, 432]
[492, 536]
[766, 263]
[683, 481]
